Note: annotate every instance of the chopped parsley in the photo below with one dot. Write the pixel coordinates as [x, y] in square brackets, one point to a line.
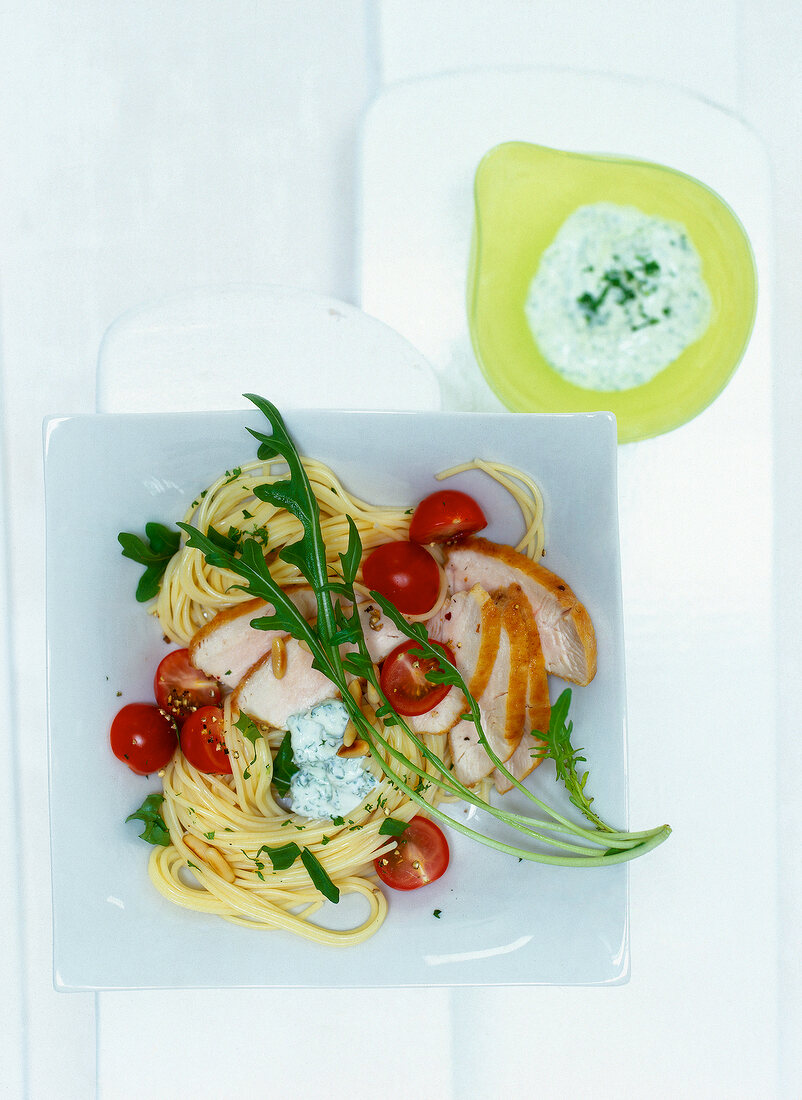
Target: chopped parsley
[626, 286]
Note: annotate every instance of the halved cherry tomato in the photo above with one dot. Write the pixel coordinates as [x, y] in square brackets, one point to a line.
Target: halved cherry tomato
[421, 856]
[143, 738]
[445, 515]
[405, 573]
[181, 688]
[202, 741]
[403, 679]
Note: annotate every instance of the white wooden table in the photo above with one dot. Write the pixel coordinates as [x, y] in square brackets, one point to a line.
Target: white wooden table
[151, 149]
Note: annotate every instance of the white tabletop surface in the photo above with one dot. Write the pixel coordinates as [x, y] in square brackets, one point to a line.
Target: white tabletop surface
[150, 149]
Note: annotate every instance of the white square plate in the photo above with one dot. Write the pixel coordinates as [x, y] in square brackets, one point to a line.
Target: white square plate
[501, 921]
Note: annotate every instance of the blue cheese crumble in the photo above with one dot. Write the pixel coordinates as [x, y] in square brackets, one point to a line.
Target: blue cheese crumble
[326, 785]
[618, 296]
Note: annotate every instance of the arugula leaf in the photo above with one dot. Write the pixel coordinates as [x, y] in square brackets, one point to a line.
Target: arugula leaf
[155, 831]
[228, 542]
[284, 766]
[557, 747]
[154, 554]
[251, 566]
[352, 557]
[295, 494]
[391, 826]
[319, 877]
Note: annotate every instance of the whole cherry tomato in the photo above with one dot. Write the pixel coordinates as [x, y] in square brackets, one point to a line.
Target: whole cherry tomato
[202, 741]
[444, 515]
[405, 574]
[421, 856]
[143, 738]
[180, 688]
[403, 679]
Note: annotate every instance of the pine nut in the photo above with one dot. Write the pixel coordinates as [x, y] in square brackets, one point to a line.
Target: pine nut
[196, 846]
[220, 864]
[211, 856]
[349, 734]
[278, 657]
[355, 691]
[357, 748]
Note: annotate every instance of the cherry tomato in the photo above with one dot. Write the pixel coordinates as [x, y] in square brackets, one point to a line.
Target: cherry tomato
[421, 856]
[143, 738]
[403, 679]
[202, 741]
[405, 573]
[444, 515]
[180, 688]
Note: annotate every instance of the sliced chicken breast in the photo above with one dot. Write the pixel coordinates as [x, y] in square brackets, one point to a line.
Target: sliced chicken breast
[380, 633]
[266, 698]
[228, 646]
[503, 702]
[538, 707]
[566, 631]
[443, 717]
[471, 625]
[490, 640]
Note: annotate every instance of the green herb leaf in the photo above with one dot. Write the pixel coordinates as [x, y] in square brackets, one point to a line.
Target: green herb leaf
[319, 876]
[282, 857]
[357, 664]
[154, 554]
[284, 766]
[392, 827]
[252, 733]
[228, 542]
[295, 494]
[353, 555]
[155, 831]
[557, 747]
[248, 728]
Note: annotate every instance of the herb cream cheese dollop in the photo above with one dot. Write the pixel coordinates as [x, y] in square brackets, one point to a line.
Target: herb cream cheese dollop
[325, 785]
[617, 297]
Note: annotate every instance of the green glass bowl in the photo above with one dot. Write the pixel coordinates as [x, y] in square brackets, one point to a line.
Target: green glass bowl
[523, 194]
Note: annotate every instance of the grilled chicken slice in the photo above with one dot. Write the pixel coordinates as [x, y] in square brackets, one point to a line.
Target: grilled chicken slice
[443, 717]
[471, 624]
[490, 640]
[538, 707]
[271, 700]
[380, 633]
[503, 702]
[228, 646]
[566, 631]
